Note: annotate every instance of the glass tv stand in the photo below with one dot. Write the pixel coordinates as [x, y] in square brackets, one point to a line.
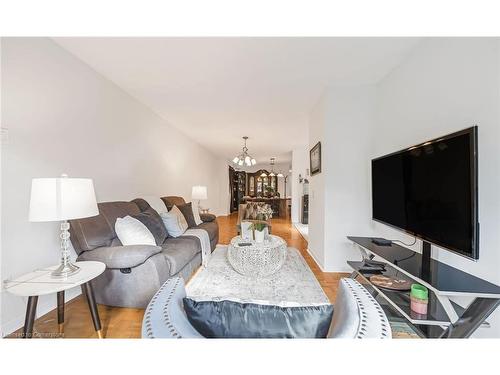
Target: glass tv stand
[445, 319]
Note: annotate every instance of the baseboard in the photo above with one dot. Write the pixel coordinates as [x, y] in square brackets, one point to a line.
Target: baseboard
[42, 309]
[315, 260]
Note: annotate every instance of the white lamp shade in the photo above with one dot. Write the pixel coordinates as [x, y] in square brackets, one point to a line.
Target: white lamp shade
[199, 192]
[58, 199]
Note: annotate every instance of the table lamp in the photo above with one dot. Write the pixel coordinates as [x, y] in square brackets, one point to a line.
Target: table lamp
[198, 193]
[62, 199]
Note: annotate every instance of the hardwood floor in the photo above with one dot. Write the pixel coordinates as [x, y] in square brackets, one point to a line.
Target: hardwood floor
[120, 322]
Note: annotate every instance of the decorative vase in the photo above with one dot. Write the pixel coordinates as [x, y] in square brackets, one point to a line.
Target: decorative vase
[260, 235]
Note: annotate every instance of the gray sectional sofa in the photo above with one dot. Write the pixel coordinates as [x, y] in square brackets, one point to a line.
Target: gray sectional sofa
[135, 273]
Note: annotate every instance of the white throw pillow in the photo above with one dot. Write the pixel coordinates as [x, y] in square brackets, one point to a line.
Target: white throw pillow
[156, 203]
[131, 231]
[175, 222]
[196, 213]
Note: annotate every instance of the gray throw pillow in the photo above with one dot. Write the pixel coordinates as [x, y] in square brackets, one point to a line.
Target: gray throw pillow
[154, 223]
[229, 319]
[207, 218]
[187, 212]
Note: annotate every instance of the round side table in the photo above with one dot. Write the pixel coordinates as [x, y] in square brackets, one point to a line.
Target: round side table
[40, 282]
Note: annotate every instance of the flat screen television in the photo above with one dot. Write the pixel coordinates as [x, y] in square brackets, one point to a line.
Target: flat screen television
[430, 191]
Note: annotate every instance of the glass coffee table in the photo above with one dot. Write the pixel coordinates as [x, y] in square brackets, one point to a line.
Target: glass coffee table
[254, 259]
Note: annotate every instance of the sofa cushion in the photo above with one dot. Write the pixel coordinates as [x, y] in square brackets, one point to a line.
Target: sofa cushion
[229, 319]
[121, 256]
[211, 227]
[187, 211]
[155, 203]
[171, 201]
[97, 231]
[90, 233]
[114, 210]
[154, 223]
[179, 251]
[141, 203]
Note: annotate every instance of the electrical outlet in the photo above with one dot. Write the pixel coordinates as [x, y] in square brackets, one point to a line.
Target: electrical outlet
[4, 135]
[6, 281]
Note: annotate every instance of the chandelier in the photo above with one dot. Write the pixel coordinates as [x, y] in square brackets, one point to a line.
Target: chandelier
[243, 157]
[272, 174]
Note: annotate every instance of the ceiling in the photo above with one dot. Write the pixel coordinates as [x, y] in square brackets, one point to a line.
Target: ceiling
[217, 90]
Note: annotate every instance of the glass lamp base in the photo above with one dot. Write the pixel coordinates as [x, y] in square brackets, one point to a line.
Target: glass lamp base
[65, 270]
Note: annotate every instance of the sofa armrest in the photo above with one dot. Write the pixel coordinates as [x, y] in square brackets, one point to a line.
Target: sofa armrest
[165, 316]
[357, 314]
[206, 218]
[121, 256]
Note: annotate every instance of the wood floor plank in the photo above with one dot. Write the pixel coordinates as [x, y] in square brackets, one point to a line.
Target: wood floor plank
[118, 322]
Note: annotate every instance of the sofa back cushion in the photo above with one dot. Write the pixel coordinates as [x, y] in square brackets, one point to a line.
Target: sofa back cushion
[155, 202]
[230, 319]
[171, 201]
[114, 210]
[90, 233]
[97, 231]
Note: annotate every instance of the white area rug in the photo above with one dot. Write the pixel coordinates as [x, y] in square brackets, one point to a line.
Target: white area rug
[303, 230]
[293, 283]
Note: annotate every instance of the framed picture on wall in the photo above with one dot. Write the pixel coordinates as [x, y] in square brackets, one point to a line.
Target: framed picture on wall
[315, 159]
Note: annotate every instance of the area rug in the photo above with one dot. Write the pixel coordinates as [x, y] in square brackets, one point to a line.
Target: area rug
[294, 283]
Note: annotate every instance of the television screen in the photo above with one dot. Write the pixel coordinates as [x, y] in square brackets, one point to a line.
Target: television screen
[430, 191]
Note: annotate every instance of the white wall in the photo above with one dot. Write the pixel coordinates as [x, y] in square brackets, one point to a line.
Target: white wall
[284, 168]
[64, 117]
[316, 243]
[349, 136]
[300, 163]
[343, 120]
[446, 85]
[1, 166]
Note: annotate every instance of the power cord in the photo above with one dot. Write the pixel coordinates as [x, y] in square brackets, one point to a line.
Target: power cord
[406, 244]
[396, 261]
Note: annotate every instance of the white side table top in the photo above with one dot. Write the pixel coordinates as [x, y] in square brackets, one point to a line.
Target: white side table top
[40, 282]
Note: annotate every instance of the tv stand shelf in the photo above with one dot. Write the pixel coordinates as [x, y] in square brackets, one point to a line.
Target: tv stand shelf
[443, 282]
[400, 300]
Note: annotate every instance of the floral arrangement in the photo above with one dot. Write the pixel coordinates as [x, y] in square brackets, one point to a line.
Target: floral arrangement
[264, 212]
